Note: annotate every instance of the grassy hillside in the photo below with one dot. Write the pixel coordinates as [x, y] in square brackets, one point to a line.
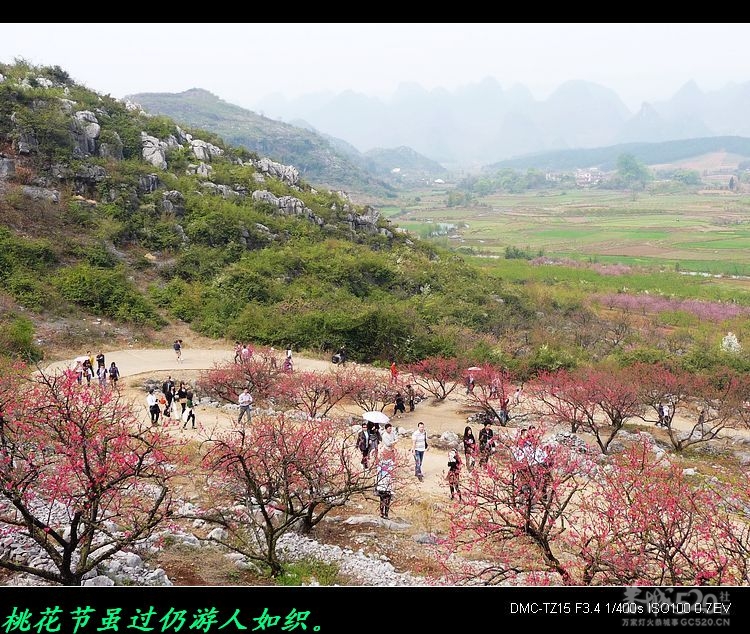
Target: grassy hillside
[100, 244]
[214, 238]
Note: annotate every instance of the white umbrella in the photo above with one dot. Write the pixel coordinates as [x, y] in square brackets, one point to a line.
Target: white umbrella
[376, 417]
[474, 369]
[80, 359]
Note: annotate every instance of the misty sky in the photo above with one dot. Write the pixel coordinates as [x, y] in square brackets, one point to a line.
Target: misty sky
[242, 63]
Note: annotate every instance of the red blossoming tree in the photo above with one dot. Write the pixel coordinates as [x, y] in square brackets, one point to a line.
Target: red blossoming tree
[492, 393]
[599, 402]
[721, 402]
[564, 398]
[278, 474]
[541, 513]
[371, 390]
[514, 512]
[315, 393]
[658, 384]
[225, 381]
[645, 522]
[437, 375]
[81, 477]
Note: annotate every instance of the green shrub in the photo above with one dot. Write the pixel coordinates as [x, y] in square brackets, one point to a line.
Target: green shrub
[159, 126]
[99, 256]
[51, 127]
[30, 291]
[212, 229]
[17, 338]
[160, 235]
[24, 253]
[546, 359]
[180, 299]
[105, 291]
[198, 262]
[641, 355]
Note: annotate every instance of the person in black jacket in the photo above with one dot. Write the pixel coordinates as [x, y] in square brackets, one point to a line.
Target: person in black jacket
[373, 431]
[114, 374]
[363, 443]
[167, 388]
[454, 470]
[182, 397]
[190, 410]
[486, 443]
[399, 405]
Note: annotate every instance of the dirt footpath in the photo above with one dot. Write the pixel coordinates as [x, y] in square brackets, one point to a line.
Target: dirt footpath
[136, 365]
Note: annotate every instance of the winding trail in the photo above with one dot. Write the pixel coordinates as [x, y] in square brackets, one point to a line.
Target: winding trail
[449, 415]
[135, 361]
[141, 362]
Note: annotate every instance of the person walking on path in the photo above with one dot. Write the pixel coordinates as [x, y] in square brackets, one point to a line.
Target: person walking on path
[394, 372]
[167, 388]
[182, 397]
[454, 471]
[702, 421]
[153, 406]
[288, 365]
[163, 405]
[342, 356]
[419, 446]
[384, 485]
[373, 431]
[190, 411]
[470, 447]
[101, 374]
[363, 443]
[390, 438]
[79, 371]
[100, 361]
[486, 443]
[114, 374]
[88, 370]
[504, 412]
[177, 345]
[410, 397]
[245, 401]
[398, 405]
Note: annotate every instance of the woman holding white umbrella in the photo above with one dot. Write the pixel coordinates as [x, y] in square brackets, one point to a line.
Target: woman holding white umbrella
[470, 379]
[373, 419]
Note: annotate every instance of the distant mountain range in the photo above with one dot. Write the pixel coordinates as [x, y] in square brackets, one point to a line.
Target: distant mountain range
[321, 159]
[480, 126]
[482, 123]
[734, 150]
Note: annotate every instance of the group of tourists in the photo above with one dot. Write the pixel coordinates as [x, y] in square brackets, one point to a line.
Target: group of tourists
[243, 352]
[173, 403]
[87, 367]
[662, 411]
[400, 402]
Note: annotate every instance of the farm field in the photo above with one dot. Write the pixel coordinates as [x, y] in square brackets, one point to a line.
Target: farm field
[703, 231]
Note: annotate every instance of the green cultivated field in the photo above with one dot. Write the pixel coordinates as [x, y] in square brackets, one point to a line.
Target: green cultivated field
[708, 232]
